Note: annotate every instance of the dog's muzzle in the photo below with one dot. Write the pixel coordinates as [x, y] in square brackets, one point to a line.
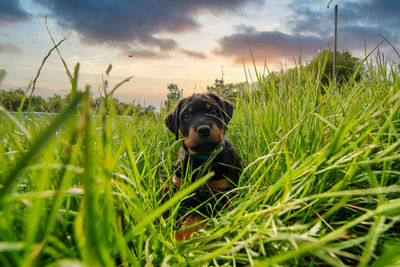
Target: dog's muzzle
[203, 131]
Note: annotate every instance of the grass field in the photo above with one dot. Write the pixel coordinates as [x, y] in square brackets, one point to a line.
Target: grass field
[321, 184]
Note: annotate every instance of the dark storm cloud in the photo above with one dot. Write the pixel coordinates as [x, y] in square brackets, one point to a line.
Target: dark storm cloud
[310, 26]
[134, 23]
[11, 11]
[8, 47]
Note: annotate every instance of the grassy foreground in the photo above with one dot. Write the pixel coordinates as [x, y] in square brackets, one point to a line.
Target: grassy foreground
[321, 186]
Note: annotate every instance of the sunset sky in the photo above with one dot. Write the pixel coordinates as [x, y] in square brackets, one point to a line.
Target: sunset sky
[186, 42]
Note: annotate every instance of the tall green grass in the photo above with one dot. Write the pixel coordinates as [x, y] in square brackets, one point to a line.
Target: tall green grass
[320, 187]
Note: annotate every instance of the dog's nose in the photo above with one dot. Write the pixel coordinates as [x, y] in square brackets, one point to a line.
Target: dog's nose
[204, 130]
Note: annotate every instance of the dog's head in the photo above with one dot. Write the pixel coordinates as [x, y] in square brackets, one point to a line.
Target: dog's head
[202, 120]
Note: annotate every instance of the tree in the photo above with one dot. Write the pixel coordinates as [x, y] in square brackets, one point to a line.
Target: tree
[173, 96]
[11, 100]
[36, 102]
[346, 66]
[227, 91]
[55, 103]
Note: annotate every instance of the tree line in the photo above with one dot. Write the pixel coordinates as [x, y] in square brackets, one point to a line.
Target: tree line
[11, 100]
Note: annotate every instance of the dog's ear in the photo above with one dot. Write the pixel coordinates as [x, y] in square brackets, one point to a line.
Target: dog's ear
[172, 119]
[226, 107]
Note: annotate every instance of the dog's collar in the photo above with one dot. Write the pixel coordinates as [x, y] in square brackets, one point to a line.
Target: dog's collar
[206, 156]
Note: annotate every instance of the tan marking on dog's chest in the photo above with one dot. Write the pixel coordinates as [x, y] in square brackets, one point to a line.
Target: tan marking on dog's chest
[219, 185]
[191, 225]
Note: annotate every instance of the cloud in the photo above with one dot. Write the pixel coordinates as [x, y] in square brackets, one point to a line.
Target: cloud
[194, 54]
[8, 47]
[378, 13]
[271, 46]
[309, 26]
[354, 37]
[128, 23]
[358, 22]
[11, 11]
[145, 54]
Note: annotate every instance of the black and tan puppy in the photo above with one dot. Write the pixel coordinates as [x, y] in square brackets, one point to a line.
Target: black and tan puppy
[202, 120]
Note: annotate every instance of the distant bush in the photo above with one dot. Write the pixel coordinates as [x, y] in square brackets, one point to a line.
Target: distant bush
[345, 62]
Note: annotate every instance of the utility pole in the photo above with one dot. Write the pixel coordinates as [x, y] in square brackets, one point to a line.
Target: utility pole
[335, 46]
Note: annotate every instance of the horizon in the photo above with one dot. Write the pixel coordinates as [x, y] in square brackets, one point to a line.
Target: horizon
[189, 44]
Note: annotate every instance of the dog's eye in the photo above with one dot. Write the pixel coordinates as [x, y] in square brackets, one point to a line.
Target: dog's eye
[186, 116]
[213, 112]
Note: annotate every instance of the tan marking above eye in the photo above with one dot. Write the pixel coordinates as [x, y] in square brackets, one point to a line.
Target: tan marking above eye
[208, 106]
[190, 109]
